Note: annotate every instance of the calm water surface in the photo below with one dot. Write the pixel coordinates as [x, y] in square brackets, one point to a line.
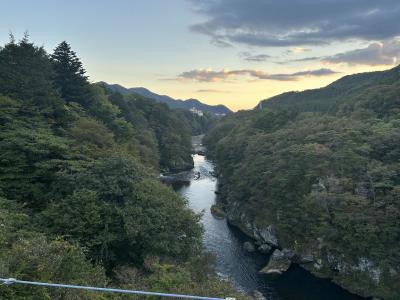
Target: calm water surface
[235, 264]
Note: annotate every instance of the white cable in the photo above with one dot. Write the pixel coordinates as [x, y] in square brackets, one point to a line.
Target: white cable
[9, 281]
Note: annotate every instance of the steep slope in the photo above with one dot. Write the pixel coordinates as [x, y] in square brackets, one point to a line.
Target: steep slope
[336, 95]
[172, 103]
[80, 199]
[316, 174]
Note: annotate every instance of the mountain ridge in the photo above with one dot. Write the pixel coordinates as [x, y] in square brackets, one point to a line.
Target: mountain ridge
[315, 175]
[186, 104]
[328, 97]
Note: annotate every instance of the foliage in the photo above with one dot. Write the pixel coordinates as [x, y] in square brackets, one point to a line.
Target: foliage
[69, 74]
[195, 277]
[198, 124]
[120, 214]
[322, 165]
[29, 255]
[79, 168]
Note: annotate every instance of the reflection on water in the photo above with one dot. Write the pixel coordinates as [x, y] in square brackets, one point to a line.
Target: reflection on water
[219, 238]
[235, 264]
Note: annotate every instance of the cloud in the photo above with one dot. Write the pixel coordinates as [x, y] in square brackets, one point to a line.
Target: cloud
[207, 75]
[311, 58]
[221, 43]
[254, 57]
[376, 54]
[383, 53]
[297, 50]
[297, 22]
[211, 91]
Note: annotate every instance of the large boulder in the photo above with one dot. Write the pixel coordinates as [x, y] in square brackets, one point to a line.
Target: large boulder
[264, 248]
[279, 263]
[249, 247]
[217, 212]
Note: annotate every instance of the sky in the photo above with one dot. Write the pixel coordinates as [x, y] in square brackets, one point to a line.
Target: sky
[232, 52]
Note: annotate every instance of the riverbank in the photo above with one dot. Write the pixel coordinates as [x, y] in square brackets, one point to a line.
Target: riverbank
[232, 261]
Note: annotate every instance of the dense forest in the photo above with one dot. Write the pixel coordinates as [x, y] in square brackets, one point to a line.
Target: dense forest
[80, 202]
[318, 174]
[216, 110]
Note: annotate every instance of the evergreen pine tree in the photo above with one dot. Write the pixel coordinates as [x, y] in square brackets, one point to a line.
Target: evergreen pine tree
[70, 76]
[26, 72]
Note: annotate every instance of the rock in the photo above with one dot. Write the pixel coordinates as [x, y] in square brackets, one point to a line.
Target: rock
[266, 235]
[279, 263]
[258, 295]
[249, 247]
[264, 248]
[289, 254]
[305, 259]
[238, 217]
[217, 212]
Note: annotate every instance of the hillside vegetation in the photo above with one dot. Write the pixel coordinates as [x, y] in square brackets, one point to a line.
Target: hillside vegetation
[172, 103]
[80, 202]
[318, 173]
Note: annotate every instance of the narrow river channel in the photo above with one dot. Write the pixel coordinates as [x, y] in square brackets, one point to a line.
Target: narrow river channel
[226, 244]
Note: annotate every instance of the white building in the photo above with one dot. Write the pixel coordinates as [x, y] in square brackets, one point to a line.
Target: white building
[196, 111]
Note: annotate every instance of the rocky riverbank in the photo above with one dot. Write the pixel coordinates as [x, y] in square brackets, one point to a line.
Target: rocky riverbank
[359, 277]
[319, 258]
[316, 173]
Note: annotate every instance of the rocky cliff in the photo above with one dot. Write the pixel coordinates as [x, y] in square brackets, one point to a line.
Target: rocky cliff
[316, 176]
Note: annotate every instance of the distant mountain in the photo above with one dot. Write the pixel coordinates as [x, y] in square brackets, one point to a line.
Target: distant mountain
[172, 103]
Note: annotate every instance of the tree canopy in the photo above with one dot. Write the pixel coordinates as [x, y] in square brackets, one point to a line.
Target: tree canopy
[322, 165]
[80, 199]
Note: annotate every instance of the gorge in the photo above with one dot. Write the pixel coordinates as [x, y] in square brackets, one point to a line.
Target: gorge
[315, 175]
[232, 261]
[310, 179]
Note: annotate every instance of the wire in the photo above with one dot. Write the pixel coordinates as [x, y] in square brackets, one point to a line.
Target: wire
[9, 281]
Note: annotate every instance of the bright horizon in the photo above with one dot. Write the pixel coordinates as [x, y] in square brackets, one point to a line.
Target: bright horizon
[234, 53]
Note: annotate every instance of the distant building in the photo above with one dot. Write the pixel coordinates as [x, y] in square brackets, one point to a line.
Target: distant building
[196, 111]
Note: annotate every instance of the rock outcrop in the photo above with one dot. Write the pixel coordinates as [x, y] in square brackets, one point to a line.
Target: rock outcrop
[249, 247]
[316, 256]
[217, 212]
[238, 218]
[265, 248]
[279, 263]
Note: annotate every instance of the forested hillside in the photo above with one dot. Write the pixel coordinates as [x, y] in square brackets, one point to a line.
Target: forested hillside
[172, 103]
[80, 202]
[186, 119]
[316, 174]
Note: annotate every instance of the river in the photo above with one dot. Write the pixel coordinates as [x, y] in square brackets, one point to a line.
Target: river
[232, 261]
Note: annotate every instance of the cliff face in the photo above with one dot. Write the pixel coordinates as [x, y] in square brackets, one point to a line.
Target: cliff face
[319, 180]
[362, 277]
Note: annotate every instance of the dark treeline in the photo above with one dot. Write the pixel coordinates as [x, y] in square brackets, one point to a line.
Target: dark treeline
[323, 168]
[193, 122]
[198, 124]
[80, 202]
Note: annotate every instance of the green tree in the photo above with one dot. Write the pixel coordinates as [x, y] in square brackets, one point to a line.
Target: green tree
[69, 76]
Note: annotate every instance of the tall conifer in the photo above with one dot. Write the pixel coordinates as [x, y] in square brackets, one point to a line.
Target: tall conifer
[70, 75]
